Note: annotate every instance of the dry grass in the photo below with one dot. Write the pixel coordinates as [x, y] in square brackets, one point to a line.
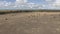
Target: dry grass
[30, 23]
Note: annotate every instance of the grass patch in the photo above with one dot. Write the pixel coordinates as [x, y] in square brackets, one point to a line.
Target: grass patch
[19, 11]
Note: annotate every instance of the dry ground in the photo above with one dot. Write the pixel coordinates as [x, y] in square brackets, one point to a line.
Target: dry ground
[30, 23]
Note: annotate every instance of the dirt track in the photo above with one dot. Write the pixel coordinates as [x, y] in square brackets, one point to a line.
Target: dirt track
[30, 23]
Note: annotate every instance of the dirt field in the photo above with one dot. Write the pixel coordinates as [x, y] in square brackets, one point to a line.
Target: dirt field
[30, 23]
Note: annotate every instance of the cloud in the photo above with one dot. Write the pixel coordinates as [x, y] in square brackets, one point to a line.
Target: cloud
[23, 4]
[56, 4]
[48, 0]
[20, 4]
[21, 1]
[53, 4]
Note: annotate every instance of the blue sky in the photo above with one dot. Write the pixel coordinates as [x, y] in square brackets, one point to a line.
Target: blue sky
[30, 4]
[34, 1]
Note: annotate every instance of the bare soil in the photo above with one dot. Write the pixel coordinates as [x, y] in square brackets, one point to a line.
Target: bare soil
[30, 23]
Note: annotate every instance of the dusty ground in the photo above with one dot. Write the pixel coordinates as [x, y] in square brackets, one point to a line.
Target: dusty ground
[30, 23]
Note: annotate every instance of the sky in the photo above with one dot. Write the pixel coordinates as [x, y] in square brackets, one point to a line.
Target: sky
[30, 4]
